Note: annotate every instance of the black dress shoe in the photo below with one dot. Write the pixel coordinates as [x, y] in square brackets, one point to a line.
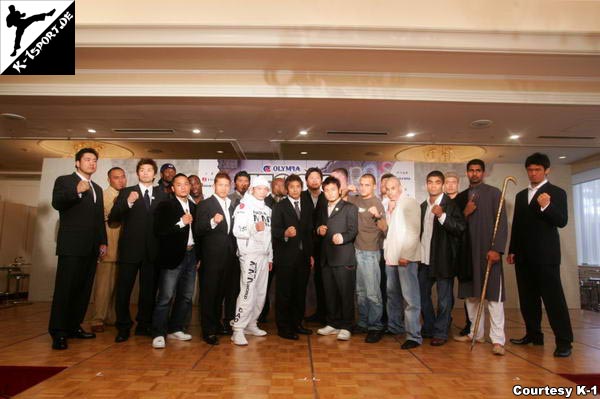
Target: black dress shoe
[466, 330]
[227, 330]
[211, 339]
[82, 334]
[122, 336]
[527, 340]
[438, 341]
[303, 331]
[59, 343]
[288, 335]
[410, 344]
[562, 352]
[374, 336]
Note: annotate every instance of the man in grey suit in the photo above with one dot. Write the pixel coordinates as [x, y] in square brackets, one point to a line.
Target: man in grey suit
[338, 225]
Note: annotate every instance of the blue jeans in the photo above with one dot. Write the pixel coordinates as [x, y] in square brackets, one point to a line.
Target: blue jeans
[177, 286]
[368, 290]
[435, 325]
[403, 285]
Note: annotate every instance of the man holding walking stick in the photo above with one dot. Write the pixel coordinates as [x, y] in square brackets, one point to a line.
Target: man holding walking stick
[480, 203]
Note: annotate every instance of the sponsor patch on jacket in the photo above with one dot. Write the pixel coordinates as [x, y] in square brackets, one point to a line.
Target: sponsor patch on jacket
[242, 205]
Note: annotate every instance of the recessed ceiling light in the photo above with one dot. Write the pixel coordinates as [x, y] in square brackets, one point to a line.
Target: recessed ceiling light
[562, 157]
[514, 136]
[411, 134]
[196, 131]
[303, 152]
[303, 132]
[91, 131]
[220, 151]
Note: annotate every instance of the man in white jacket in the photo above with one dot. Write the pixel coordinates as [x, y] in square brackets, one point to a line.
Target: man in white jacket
[252, 229]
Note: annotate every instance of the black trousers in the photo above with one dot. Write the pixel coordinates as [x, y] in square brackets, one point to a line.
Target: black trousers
[339, 283]
[537, 283]
[72, 290]
[290, 293]
[126, 274]
[217, 287]
[321, 311]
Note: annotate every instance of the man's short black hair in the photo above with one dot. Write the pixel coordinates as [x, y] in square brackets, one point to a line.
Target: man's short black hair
[476, 162]
[190, 177]
[331, 180]
[86, 150]
[343, 171]
[386, 176]
[241, 173]
[309, 171]
[222, 175]
[146, 161]
[113, 169]
[436, 173]
[538, 159]
[180, 175]
[292, 178]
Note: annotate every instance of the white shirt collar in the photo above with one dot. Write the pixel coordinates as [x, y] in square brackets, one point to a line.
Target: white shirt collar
[437, 201]
[83, 178]
[294, 200]
[144, 188]
[185, 204]
[531, 188]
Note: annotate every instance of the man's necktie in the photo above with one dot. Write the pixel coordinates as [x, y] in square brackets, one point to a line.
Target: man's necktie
[297, 209]
[147, 199]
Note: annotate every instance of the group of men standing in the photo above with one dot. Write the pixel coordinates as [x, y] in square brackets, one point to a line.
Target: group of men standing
[385, 253]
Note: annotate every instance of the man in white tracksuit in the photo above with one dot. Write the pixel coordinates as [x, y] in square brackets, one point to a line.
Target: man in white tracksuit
[252, 229]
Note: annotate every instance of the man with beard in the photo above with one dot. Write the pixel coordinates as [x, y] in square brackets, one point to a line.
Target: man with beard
[195, 189]
[167, 172]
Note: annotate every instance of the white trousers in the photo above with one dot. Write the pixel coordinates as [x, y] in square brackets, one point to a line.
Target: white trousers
[496, 312]
[254, 278]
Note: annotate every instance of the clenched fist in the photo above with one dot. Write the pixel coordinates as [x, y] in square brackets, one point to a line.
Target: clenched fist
[187, 218]
[322, 230]
[83, 186]
[338, 239]
[373, 211]
[437, 210]
[133, 196]
[544, 200]
[218, 218]
[470, 208]
[260, 226]
[290, 232]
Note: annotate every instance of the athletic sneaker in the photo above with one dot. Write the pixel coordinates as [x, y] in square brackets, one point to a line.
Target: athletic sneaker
[344, 335]
[257, 332]
[158, 342]
[238, 338]
[179, 336]
[328, 330]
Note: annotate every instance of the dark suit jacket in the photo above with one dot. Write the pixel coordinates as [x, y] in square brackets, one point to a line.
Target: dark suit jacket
[321, 203]
[445, 240]
[534, 237]
[286, 251]
[344, 220]
[218, 244]
[137, 241]
[81, 228]
[464, 262]
[172, 239]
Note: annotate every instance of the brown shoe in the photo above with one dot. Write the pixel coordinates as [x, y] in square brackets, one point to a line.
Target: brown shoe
[498, 350]
[98, 328]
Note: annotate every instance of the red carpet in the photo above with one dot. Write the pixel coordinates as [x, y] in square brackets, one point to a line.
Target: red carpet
[589, 380]
[16, 379]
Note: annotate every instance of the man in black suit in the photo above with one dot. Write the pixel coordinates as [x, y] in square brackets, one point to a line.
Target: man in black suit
[81, 240]
[315, 197]
[442, 224]
[535, 250]
[292, 231]
[177, 260]
[338, 225]
[138, 246]
[213, 226]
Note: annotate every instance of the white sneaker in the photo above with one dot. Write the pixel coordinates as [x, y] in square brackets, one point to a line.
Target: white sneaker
[328, 330]
[238, 338]
[344, 335]
[257, 332]
[179, 336]
[158, 342]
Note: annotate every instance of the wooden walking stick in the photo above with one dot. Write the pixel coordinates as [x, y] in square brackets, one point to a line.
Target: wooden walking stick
[489, 263]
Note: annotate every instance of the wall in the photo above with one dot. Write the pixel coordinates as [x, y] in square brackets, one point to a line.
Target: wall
[45, 241]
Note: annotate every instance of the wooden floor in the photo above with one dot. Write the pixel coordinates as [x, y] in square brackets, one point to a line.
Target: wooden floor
[270, 367]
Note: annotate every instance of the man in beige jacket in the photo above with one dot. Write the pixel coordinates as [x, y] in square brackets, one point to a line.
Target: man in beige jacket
[106, 273]
[402, 252]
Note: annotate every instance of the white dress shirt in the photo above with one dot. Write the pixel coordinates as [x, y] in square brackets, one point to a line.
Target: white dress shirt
[532, 190]
[331, 207]
[428, 229]
[91, 186]
[186, 208]
[225, 204]
[143, 189]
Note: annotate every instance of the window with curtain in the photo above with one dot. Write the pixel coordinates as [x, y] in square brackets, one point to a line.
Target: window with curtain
[587, 221]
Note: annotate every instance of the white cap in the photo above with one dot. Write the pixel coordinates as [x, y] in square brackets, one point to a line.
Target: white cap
[260, 181]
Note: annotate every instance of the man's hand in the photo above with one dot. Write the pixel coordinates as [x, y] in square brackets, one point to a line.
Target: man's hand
[218, 218]
[312, 262]
[133, 196]
[351, 188]
[373, 211]
[260, 226]
[103, 250]
[510, 259]
[290, 232]
[470, 208]
[187, 218]
[270, 266]
[338, 239]
[403, 262]
[437, 210]
[544, 200]
[493, 256]
[322, 230]
[83, 186]
[391, 206]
